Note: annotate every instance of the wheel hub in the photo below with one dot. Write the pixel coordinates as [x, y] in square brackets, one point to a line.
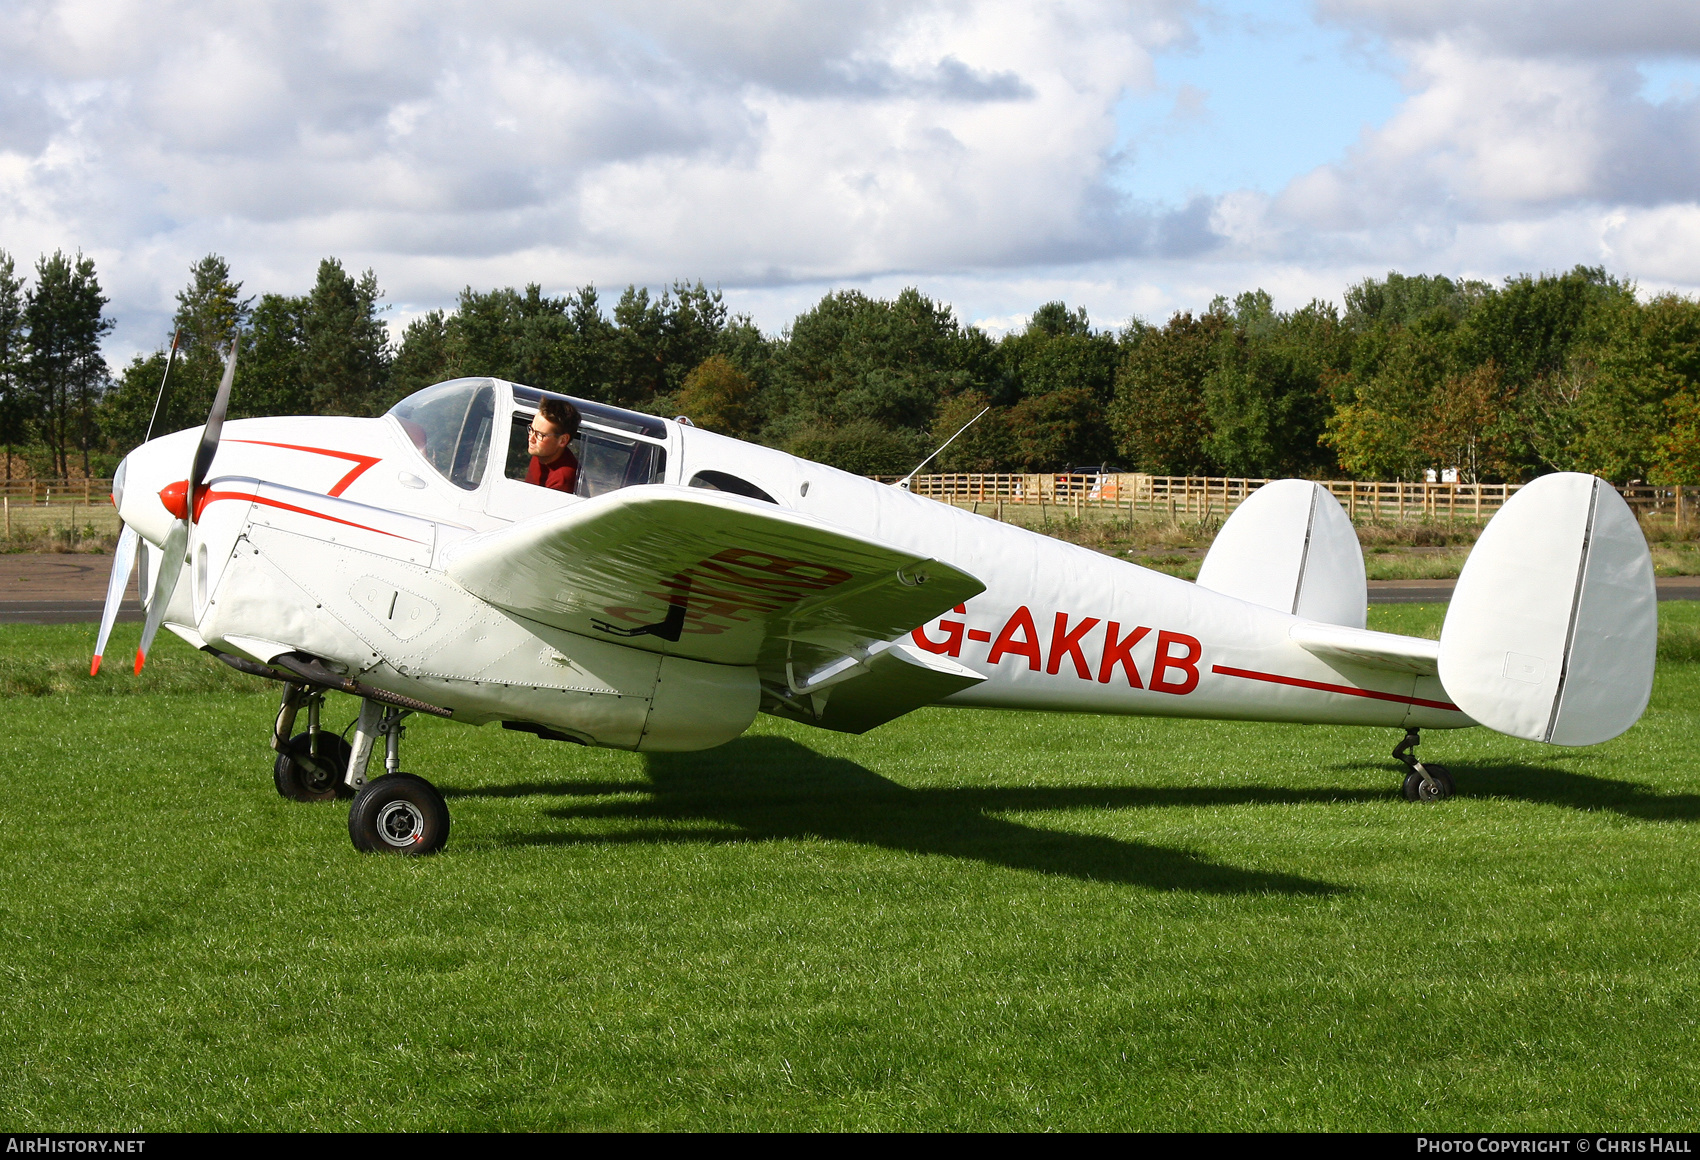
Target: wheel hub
[400, 824]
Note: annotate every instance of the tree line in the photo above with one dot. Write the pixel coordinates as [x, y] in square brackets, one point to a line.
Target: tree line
[1568, 371]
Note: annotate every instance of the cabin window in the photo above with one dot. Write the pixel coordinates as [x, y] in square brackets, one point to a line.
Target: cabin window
[607, 460]
[450, 424]
[720, 481]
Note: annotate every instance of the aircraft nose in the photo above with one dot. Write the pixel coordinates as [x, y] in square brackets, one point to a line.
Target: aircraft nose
[141, 487]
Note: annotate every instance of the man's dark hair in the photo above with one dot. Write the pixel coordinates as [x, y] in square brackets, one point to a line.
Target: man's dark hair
[560, 414]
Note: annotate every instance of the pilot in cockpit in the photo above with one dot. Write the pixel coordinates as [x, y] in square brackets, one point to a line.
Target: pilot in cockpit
[553, 464]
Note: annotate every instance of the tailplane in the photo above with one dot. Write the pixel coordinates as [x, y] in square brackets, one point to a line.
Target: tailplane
[1553, 628]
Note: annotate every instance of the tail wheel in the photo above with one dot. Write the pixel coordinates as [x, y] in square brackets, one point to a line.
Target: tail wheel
[302, 777]
[399, 813]
[1418, 790]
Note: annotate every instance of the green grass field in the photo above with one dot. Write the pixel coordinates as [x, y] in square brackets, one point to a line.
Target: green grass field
[963, 920]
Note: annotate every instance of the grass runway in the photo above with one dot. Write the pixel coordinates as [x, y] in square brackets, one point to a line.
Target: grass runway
[963, 920]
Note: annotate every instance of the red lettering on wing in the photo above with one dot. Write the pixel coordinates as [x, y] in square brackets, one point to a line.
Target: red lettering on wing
[1119, 651]
[1186, 662]
[1067, 644]
[1027, 646]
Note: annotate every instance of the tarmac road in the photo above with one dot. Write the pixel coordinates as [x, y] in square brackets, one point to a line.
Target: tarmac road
[71, 588]
[59, 588]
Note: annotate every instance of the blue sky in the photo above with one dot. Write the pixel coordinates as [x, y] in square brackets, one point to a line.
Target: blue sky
[1263, 94]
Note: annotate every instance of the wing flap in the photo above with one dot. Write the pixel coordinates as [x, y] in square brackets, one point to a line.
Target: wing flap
[886, 685]
[707, 575]
[1375, 650]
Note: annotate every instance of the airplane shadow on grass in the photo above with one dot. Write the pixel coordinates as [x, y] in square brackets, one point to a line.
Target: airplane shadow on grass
[1545, 785]
[1579, 791]
[773, 788]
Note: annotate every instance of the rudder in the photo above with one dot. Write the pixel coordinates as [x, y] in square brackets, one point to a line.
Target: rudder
[1292, 548]
[1552, 632]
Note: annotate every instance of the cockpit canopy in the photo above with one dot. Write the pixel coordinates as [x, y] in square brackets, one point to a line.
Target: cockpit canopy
[451, 424]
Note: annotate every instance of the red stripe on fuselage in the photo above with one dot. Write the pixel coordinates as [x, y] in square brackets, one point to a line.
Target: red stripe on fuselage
[215, 496]
[1301, 683]
[361, 462]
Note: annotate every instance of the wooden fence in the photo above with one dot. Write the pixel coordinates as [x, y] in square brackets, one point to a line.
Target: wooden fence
[1188, 496]
[55, 491]
[1196, 496]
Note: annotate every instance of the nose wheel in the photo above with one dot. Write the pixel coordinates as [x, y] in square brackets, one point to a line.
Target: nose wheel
[1427, 781]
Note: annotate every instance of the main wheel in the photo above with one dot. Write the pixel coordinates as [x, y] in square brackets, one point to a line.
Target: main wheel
[1418, 790]
[301, 777]
[399, 813]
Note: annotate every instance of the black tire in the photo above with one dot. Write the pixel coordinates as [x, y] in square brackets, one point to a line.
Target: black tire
[1416, 790]
[399, 813]
[302, 778]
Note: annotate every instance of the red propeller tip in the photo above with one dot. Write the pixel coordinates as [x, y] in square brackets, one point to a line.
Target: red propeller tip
[94, 669]
[140, 657]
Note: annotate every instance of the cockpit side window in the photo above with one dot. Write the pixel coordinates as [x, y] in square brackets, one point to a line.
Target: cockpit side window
[450, 424]
[720, 481]
[607, 460]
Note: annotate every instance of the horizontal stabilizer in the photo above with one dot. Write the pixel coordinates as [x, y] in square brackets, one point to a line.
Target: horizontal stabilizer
[1290, 547]
[707, 575]
[1376, 650]
[1553, 627]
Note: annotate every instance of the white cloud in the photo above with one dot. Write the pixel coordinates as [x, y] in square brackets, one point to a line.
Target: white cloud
[780, 149]
[568, 142]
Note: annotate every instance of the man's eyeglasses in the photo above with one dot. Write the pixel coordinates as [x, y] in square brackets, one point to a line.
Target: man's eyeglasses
[534, 433]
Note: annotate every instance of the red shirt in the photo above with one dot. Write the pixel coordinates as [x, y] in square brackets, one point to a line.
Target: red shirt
[562, 476]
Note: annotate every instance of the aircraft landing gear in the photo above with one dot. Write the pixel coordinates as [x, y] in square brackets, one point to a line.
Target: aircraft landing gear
[397, 813]
[1426, 781]
[310, 765]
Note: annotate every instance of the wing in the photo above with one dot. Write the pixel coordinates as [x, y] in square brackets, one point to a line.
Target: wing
[708, 575]
[1376, 650]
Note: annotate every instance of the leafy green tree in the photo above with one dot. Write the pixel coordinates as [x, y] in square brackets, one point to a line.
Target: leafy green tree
[273, 374]
[717, 396]
[990, 445]
[657, 342]
[1605, 412]
[1266, 396]
[64, 370]
[853, 360]
[1058, 350]
[1159, 419]
[1060, 429]
[345, 351]
[423, 358]
[1376, 427]
[862, 446]
[210, 312]
[14, 403]
[1406, 300]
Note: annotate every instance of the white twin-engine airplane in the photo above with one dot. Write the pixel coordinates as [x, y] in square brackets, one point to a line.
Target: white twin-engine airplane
[695, 580]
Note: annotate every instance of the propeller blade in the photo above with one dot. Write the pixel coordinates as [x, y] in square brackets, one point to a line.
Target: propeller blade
[122, 560]
[215, 426]
[159, 400]
[170, 567]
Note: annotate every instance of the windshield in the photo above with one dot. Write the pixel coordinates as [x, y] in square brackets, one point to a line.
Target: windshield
[450, 424]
